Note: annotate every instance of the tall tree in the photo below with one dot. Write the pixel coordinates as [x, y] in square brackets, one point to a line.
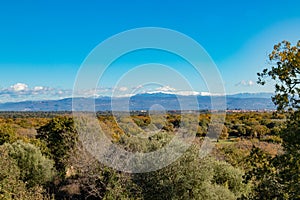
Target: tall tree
[60, 136]
[285, 70]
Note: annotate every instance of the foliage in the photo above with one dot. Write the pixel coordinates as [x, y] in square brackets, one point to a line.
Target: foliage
[288, 163]
[95, 180]
[191, 177]
[285, 59]
[83, 177]
[7, 134]
[35, 169]
[149, 144]
[273, 139]
[60, 136]
[278, 177]
[11, 184]
[263, 174]
[259, 131]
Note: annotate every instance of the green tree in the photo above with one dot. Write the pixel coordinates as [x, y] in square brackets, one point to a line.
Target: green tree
[60, 136]
[286, 72]
[259, 131]
[224, 134]
[263, 176]
[289, 162]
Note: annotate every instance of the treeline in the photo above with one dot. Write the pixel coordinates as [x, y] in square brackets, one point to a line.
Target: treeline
[265, 126]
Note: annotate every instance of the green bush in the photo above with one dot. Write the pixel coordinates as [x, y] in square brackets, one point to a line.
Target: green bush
[7, 134]
[11, 184]
[191, 177]
[35, 169]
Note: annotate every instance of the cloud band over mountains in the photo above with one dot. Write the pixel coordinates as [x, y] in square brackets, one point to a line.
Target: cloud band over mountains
[22, 92]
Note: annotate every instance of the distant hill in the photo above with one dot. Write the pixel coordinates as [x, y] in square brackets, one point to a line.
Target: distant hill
[243, 101]
[251, 95]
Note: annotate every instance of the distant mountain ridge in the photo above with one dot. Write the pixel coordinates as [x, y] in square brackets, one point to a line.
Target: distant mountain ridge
[252, 95]
[242, 101]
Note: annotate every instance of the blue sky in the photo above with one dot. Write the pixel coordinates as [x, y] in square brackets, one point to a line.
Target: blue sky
[43, 43]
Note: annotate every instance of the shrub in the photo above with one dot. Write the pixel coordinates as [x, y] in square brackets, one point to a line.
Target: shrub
[191, 177]
[35, 169]
[7, 134]
[11, 184]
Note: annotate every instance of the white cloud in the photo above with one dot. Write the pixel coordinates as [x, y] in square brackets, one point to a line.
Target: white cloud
[123, 89]
[211, 94]
[166, 88]
[250, 83]
[85, 93]
[19, 87]
[38, 88]
[22, 92]
[245, 83]
[138, 87]
[187, 93]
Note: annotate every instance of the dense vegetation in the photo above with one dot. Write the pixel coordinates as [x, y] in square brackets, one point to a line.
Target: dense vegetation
[43, 158]
[256, 156]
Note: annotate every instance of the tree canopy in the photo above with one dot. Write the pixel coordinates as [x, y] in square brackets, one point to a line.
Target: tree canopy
[285, 70]
[282, 171]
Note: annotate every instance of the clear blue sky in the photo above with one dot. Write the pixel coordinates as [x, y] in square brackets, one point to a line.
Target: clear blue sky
[43, 43]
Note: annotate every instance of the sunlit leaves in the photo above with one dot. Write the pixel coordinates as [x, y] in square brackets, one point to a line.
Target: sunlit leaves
[285, 70]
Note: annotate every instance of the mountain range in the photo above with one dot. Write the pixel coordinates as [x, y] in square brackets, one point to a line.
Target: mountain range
[146, 101]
